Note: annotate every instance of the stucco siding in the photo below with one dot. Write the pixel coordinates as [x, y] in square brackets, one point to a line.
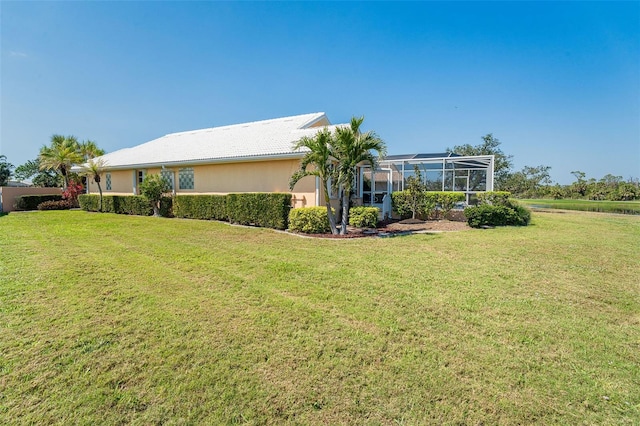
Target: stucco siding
[121, 183]
[256, 176]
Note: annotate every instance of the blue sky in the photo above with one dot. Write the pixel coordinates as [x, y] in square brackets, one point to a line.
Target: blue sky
[557, 83]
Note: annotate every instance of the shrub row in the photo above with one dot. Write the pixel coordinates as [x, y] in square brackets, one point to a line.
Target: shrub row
[269, 210]
[314, 220]
[31, 202]
[200, 207]
[123, 204]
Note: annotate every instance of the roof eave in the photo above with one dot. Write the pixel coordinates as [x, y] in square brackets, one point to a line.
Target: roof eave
[206, 161]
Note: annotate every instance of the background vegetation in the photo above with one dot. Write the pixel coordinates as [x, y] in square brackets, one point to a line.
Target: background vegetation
[535, 181]
[198, 322]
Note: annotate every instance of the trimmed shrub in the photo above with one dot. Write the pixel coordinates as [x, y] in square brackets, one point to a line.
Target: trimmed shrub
[201, 207]
[131, 204]
[31, 202]
[90, 202]
[310, 220]
[497, 215]
[363, 217]
[269, 210]
[54, 205]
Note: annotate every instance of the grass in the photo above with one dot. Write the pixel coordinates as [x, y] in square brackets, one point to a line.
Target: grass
[626, 207]
[109, 319]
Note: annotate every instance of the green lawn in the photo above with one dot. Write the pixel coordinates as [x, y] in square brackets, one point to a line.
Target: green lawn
[626, 207]
[108, 319]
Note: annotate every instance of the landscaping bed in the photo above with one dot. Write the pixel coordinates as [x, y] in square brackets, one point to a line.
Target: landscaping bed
[395, 227]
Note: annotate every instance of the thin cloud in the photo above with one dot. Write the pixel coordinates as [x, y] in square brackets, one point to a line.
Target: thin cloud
[15, 54]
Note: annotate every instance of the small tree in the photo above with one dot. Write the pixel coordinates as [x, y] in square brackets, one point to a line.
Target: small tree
[93, 169]
[352, 148]
[153, 187]
[415, 188]
[489, 146]
[320, 158]
[42, 178]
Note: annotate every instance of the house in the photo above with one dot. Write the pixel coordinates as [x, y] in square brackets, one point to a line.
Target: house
[254, 157]
[247, 157]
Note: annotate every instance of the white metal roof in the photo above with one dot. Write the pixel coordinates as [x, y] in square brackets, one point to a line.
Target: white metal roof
[239, 142]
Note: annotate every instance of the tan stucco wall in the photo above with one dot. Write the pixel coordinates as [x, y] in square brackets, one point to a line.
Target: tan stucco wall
[8, 195]
[256, 176]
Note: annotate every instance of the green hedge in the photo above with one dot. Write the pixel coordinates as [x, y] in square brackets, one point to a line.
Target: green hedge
[200, 207]
[124, 204]
[269, 210]
[497, 215]
[31, 202]
[363, 217]
[89, 202]
[310, 220]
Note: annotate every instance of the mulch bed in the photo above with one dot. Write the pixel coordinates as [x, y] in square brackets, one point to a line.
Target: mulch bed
[404, 227]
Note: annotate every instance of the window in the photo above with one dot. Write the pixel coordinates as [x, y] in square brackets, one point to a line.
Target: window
[107, 180]
[140, 176]
[168, 176]
[185, 178]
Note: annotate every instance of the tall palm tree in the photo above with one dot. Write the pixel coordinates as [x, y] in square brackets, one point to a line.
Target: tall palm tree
[94, 168]
[89, 149]
[321, 160]
[353, 148]
[60, 156]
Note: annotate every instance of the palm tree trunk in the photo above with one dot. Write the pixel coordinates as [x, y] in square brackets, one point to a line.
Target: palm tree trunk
[100, 191]
[345, 212]
[332, 218]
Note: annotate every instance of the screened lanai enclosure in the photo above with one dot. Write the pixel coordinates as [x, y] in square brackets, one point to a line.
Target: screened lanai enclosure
[440, 172]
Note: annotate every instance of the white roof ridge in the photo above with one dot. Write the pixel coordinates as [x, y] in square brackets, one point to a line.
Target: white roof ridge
[317, 117]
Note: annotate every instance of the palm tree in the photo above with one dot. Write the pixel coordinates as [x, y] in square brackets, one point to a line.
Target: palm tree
[60, 156]
[89, 149]
[353, 148]
[94, 168]
[321, 159]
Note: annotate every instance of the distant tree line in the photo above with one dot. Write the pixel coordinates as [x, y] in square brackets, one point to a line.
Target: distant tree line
[536, 182]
